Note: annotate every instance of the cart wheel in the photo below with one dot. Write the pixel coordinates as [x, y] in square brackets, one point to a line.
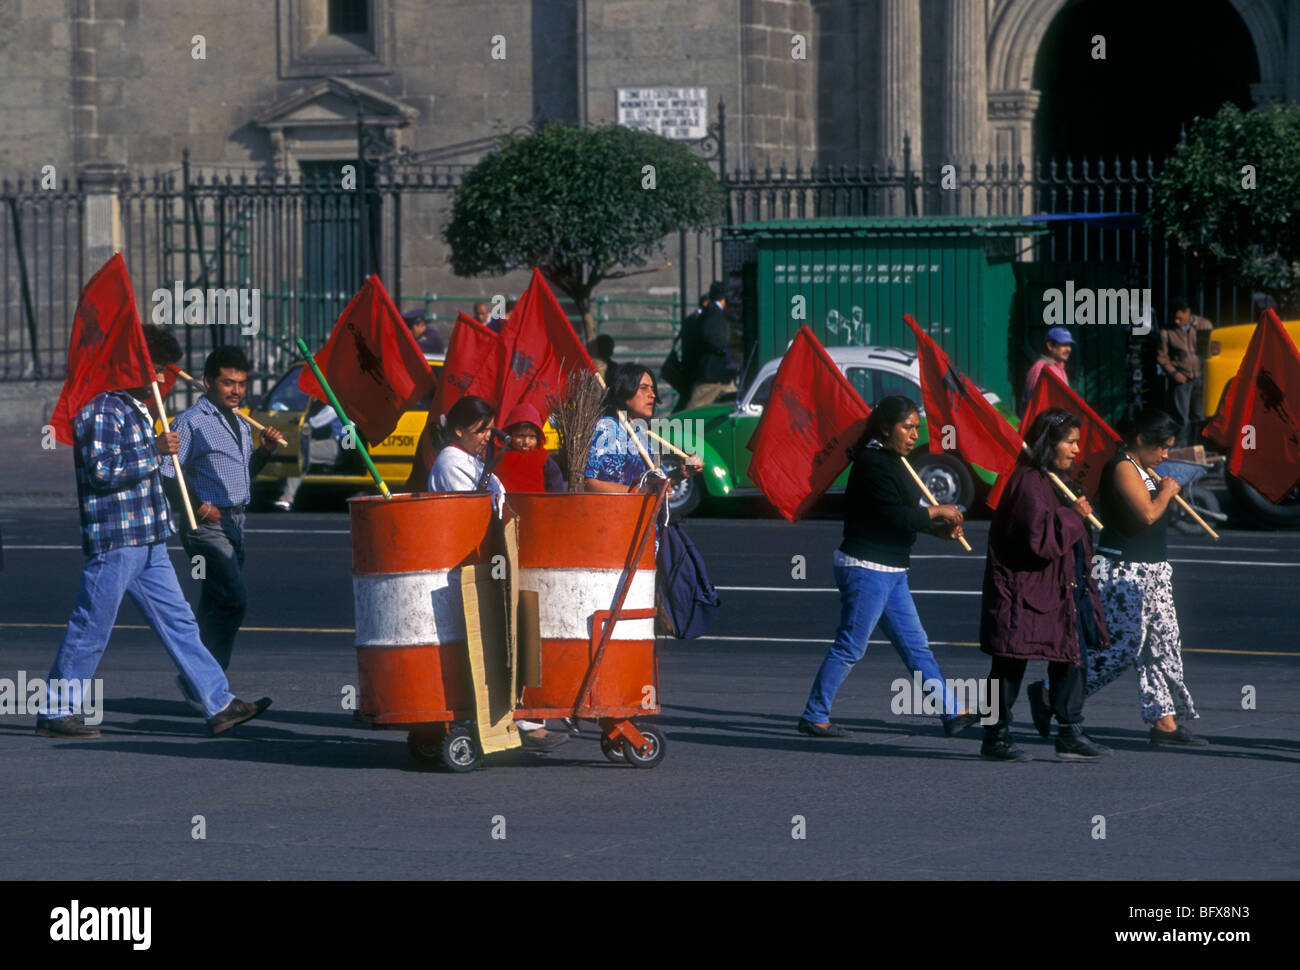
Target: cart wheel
[613, 750]
[459, 751]
[654, 752]
[425, 745]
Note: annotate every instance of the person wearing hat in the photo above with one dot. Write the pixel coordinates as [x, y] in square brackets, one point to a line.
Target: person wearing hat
[425, 336]
[527, 466]
[1059, 345]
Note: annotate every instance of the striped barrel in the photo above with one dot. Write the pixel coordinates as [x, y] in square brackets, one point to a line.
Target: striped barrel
[406, 555]
[572, 551]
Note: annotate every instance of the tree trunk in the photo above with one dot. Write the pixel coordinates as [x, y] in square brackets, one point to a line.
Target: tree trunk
[583, 304]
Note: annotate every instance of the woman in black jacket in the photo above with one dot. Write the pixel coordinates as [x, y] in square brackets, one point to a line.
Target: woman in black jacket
[882, 515]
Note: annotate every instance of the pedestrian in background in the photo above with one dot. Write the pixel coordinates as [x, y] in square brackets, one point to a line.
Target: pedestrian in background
[882, 517]
[1182, 345]
[1058, 345]
[125, 522]
[705, 342]
[1039, 600]
[425, 336]
[601, 350]
[219, 463]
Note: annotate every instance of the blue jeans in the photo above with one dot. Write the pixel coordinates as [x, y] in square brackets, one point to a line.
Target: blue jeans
[867, 598]
[145, 574]
[224, 598]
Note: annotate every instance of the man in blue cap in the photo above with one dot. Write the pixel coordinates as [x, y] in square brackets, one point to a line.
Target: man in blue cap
[1059, 345]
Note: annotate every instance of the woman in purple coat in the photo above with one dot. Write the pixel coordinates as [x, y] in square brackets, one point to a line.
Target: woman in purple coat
[1039, 600]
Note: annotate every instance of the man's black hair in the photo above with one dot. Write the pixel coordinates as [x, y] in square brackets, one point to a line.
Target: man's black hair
[1180, 302]
[227, 357]
[716, 292]
[163, 348]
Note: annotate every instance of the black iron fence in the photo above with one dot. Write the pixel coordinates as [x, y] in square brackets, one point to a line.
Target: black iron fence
[304, 241]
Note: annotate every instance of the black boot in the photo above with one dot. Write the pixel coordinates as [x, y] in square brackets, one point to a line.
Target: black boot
[998, 746]
[1073, 745]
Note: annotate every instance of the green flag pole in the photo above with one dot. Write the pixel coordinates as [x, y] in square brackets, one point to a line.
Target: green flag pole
[338, 408]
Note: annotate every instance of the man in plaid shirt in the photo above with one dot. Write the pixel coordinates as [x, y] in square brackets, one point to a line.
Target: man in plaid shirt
[125, 523]
[219, 462]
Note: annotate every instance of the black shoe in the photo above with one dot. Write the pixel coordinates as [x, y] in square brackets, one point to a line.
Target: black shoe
[1075, 746]
[960, 723]
[547, 742]
[236, 712]
[69, 728]
[1098, 745]
[1000, 747]
[830, 731]
[1180, 737]
[1038, 710]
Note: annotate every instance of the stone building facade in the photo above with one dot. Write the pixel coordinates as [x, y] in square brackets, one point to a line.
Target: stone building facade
[252, 86]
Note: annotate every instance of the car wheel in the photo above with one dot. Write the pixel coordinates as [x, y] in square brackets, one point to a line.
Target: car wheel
[947, 478]
[686, 497]
[1259, 510]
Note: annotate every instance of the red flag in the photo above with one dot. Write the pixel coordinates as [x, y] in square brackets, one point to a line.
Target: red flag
[472, 366]
[523, 471]
[107, 351]
[166, 384]
[541, 349]
[1258, 420]
[812, 416]
[372, 363]
[1097, 440]
[983, 437]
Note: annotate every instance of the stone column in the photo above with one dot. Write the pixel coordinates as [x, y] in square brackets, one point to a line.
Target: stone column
[965, 102]
[1011, 124]
[899, 86]
[102, 228]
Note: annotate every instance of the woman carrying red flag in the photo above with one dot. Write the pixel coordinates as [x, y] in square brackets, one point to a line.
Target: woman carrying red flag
[527, 466]
[1040, 601]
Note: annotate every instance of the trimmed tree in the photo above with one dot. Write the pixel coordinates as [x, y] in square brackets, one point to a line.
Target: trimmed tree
[1234, 186]
[578, 203]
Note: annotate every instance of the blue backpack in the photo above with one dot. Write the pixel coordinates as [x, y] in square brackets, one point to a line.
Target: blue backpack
[687, 600]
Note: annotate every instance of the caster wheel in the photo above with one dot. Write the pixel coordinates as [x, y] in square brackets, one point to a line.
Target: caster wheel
[612, 750]
[425, 745]
[460, 751]
[653, 753]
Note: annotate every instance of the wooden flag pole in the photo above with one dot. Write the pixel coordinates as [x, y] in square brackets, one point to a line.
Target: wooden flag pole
[645, 455]
[1187, 508]
[176, 464]
[254, 424]
[669, 445]
[929, 497]
[338, 409]
[1065, 490]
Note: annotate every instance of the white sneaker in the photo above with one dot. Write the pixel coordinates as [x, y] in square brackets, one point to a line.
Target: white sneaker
[284, 505]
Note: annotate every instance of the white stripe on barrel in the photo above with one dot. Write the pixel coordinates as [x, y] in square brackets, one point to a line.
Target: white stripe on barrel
[399, 609]
[567, 598]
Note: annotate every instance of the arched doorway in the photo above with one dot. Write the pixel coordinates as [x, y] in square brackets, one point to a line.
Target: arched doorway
[1165, 64]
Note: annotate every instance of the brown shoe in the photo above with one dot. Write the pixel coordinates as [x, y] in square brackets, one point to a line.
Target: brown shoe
[236, 712]
[69, 728]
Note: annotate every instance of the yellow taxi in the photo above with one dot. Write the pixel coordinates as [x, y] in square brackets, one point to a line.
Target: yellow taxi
[285, 407]
[1227, 348]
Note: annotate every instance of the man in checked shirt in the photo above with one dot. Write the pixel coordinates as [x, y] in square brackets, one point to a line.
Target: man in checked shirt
[125, 523]
[219, 463]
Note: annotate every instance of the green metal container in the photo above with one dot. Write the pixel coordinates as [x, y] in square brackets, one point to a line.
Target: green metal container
[858, 276]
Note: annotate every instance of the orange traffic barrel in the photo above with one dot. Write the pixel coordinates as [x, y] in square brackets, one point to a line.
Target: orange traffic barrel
[406, 556]
[572, 551]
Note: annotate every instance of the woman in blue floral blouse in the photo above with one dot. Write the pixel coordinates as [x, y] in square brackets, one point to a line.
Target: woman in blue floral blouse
[614, 464]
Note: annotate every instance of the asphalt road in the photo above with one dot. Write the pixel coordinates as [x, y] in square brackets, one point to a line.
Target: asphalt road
[306, 793]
